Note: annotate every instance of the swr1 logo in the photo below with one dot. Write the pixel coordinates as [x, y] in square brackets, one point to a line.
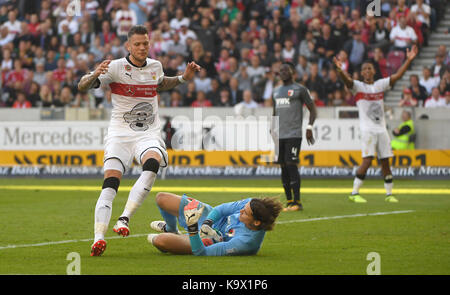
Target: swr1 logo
[374, 8]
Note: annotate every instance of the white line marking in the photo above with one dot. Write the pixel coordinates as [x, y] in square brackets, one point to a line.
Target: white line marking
[142, 235]
[66, 242]
[345, 216]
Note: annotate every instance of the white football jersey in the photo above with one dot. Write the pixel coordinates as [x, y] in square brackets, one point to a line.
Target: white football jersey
[134, 100]
[369, 100]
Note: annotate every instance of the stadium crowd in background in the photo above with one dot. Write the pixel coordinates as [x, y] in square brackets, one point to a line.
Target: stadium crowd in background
[240, 44]
[432, 87]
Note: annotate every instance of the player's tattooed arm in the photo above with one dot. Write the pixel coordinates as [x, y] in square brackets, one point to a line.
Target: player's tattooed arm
[171, 82]
[89, 81]
[168, 83]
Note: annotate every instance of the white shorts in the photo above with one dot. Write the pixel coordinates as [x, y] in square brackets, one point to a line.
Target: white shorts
[126, 148]
[378, 142]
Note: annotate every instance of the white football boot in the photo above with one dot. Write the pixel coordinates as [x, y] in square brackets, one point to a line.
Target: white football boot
[160, 226]
[121, 227]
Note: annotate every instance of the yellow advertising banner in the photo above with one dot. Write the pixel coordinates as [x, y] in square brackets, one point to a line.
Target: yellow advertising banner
[410, 158]
[63, 158]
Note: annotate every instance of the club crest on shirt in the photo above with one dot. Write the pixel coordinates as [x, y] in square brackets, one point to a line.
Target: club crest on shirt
[153, 74]
[127, 68]
[290, 92]
[130, 90]
[230, 233]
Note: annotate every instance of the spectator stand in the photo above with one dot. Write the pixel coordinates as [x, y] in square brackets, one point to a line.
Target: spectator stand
[41, 44]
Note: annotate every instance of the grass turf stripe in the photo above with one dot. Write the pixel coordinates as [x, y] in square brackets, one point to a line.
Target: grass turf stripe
[201, 189]
[278, 222]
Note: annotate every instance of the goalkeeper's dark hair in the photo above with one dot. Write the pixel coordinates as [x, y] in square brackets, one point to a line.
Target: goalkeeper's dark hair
[266, 210]
[137, 30]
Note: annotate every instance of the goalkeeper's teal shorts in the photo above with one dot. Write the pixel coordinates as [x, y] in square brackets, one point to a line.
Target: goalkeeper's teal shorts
[184, 201]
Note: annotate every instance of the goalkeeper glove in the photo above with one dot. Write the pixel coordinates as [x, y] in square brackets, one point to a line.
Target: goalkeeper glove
[192, 213]
[207, 232]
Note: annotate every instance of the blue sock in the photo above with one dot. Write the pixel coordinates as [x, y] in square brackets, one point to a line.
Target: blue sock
[171, 221]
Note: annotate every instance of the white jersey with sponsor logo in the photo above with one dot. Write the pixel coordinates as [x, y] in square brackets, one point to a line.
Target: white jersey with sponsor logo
[134, 100]
[369, 100]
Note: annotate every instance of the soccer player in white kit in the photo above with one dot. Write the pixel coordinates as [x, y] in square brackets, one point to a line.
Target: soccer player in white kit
[134, 130]
[369, 96]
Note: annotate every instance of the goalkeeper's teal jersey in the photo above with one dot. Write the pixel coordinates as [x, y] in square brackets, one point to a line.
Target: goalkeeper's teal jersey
[238, 239]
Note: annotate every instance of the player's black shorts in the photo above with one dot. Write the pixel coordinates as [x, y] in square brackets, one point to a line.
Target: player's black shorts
[289, 150]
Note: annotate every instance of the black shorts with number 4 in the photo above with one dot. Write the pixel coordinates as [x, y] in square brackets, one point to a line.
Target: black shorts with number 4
[289, 150]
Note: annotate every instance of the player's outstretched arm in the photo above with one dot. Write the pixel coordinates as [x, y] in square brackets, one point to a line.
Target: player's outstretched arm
[172, 82]
[169, 83]
[410, 55]
[348, 81]
[88, 80]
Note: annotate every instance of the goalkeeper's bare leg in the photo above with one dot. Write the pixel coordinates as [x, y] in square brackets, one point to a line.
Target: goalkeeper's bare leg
[172, 243]
[168, 205]
[168, 202]
[170, 240]
[171, 206]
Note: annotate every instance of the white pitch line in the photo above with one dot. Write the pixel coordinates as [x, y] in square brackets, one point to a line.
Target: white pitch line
[65, 242]
[142, 235]
[345, 216]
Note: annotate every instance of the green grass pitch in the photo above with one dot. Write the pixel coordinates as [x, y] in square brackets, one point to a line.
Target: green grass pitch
[328, 237]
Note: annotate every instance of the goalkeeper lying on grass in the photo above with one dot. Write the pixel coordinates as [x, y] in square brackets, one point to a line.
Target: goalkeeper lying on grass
[235, 228]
